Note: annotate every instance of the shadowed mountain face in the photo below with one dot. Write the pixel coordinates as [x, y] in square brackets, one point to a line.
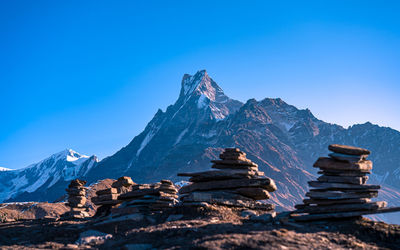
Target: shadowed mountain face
[283, 140]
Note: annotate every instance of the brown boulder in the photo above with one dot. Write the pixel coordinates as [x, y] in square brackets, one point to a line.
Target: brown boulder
[348, 150]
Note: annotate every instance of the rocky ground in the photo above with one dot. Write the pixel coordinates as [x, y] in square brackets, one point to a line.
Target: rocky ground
[16, 211]
[202, 228]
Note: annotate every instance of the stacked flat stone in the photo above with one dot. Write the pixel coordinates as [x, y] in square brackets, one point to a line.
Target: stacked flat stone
[77, 199]
[107, 199]
[148, 198]
[341, 191]
[236, 182]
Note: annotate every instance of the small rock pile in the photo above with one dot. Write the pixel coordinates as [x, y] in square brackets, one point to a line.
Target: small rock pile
[148, 198]
[236, 183]
[341, 191]
[77, 199]
[107, 199]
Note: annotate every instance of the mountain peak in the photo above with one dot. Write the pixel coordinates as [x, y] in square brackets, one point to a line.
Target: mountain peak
[69, 155]
[199, 83]
[202, 90]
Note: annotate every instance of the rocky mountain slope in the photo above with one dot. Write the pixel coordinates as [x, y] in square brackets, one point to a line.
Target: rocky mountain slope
[283, 140]
[46, 180]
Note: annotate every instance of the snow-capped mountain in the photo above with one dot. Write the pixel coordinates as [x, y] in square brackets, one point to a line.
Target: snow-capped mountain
[4, 169]
[41, 180]
[283, 140]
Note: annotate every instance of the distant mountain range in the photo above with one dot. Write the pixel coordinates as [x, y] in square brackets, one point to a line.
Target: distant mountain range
[46, 180]
[283, 140]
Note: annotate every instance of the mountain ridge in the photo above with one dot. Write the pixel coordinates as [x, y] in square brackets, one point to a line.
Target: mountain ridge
[276, 135]
[283, 140]
[55, 170]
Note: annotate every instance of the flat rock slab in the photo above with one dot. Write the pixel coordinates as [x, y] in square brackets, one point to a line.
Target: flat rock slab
[105, 197]
[218, 177]
[107, 191]
[169, 190]
[106, 202]
[358, 180]
[77, 183]
[214, 195]
[333, 185]
[348, 150]
[221, 175]
[348, 158]
[331, 172]
[124, 210]
[232, 150]
[124, 181]
[344, 179]
[254, 193]
[341, 215]
[235, 163]
[328, 195]
[324, 202]
[266, 183]
[138, 193]
[341, 207]
[76, 192]
[233, 156]
[235, 167]
[212, 199]
[329, 163]
[216, 172]
[77, 199]
[141, 202]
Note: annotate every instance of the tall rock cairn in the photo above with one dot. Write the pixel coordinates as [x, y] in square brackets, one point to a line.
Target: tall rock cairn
[236, 182]
[148, 198]
[341, 190]
[107, 199]
[77, 199]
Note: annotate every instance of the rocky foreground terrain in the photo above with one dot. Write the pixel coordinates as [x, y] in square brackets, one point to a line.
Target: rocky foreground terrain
[203, 228]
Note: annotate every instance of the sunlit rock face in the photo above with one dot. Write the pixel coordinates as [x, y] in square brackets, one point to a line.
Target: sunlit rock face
[283, 140]
[45, 180]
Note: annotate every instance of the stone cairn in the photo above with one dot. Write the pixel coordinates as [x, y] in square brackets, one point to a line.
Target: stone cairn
[341, 191]
[77, 199]
[236, 182]
[148, 198]
[107, 199]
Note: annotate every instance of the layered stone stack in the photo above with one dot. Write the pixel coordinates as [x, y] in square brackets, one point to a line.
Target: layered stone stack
[77, 199]
[236, 182]
[148, 198]
[107, 199]
[341, 191]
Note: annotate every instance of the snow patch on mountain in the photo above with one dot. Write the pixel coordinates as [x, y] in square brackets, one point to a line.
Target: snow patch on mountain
[180, 136]
[5, 169]
[202, 102]
[63, 166]
[145, 141]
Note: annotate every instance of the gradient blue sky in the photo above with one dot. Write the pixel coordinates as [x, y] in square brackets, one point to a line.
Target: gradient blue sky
[89, 75]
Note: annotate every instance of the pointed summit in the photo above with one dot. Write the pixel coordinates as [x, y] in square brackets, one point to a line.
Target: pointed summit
[202, 90]
[199, 82]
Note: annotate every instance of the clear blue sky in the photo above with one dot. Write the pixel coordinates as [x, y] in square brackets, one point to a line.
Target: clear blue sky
[89, 75]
